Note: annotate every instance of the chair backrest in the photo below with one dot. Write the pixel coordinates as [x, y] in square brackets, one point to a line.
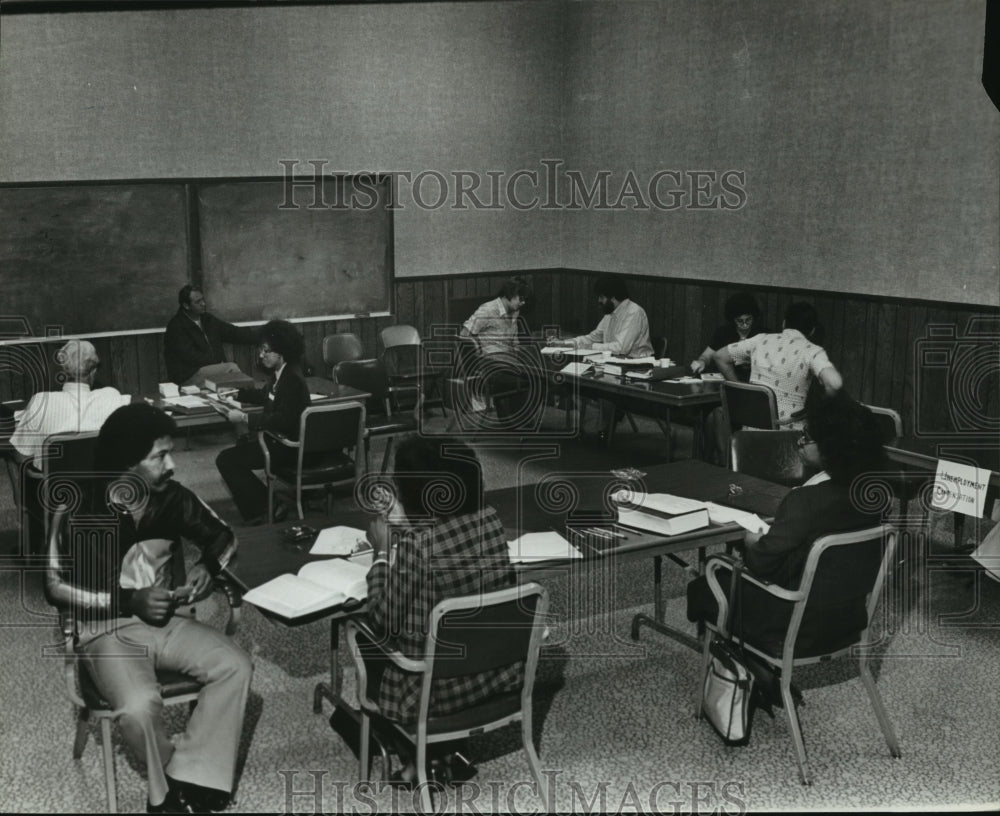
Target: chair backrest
[366, 375]
[750, 405]
[338, 347]
[400, 336]
[844, 571]
[770, 455]
[889, 422]
[69, 453]
[659, 344]
[324, 428]
[402, 361]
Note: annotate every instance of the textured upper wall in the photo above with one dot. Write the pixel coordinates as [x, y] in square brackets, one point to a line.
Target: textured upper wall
[871, 151]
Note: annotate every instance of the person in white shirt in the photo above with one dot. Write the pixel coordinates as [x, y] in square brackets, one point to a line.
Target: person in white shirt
[494, 324]
[75, 409]
[624, 329]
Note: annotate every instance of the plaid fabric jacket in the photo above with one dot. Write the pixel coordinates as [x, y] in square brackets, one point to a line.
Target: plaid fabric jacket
[460, 556]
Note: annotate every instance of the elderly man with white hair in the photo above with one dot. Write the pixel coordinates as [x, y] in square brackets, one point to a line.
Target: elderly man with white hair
[75, 409]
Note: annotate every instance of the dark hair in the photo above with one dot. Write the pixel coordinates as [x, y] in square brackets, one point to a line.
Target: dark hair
[184, 295]
[611, 286]
[437, 478]
[740, 304]
[515, 286]
[847, 434]
[285, 339]
[802, 316]
[128, 435]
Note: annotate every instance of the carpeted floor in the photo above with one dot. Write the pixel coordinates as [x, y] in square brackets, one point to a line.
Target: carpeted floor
[613, 719]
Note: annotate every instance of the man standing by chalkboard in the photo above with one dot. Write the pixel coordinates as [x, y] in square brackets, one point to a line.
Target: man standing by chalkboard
[192, 346]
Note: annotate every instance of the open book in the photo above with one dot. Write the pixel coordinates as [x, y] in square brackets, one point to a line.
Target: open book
[317, 586]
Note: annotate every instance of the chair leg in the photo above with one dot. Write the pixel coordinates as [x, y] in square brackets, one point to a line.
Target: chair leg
[529, 749]
[363, 750]
[706, 656]
[631, 421]
[795, 727]
[270, 501]
[879, 705]
[109, 765]
[423, 783]
[82, 732]
[388, 451]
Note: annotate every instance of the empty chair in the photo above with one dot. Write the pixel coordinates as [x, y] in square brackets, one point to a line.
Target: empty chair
[770, 455]
[326, 432]
[381, 418]
[340, 347]
[659, 344]
[828, 616]
[466, 636]
[745, 405]
[401, 335]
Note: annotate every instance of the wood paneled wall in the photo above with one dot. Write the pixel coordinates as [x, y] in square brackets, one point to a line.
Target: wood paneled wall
[875, 342]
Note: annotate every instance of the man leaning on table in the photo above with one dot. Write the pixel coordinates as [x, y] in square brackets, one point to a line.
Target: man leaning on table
[624, 329]
[192, 346]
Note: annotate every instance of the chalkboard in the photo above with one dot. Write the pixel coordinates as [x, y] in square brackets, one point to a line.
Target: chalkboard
[97, 258]
[323, 256]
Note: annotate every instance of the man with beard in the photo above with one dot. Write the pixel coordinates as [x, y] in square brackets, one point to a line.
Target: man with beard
[624, 329]
[122, 591]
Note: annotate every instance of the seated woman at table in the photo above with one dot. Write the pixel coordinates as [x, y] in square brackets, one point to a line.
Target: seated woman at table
[438, 541]
[843, 437]
[743, 320]
[284, 398]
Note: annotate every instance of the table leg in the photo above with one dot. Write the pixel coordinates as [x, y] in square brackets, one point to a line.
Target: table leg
[657, 621]
[331, 691]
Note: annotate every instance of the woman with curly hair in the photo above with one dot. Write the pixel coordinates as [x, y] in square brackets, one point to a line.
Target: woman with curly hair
[284, 398]
[743, 320]
[843, 437]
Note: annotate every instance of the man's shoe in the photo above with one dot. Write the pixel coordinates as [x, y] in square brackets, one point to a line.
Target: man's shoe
[202, 799]
[175, 802]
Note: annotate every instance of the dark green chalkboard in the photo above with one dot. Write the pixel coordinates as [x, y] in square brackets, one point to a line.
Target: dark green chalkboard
[82, 259]
[260, 260]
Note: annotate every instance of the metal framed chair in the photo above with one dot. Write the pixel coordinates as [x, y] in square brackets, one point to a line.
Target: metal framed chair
[770, 455]
[465, 636]
[176, 687]
[747, 405]
[400, 335]
[340, 347]
[320, 463]
[829, 616]
[381, 418]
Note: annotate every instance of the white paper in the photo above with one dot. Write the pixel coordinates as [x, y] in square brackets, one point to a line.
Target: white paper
[631, 360]
[338, 541]
[578, 369]
[988, 553]
[541, 547]
[712, 377]
[960, 488]
[569, 351]
[685, 380]
[660, 502]
[315, 397]
[720, 514]
[188, 402]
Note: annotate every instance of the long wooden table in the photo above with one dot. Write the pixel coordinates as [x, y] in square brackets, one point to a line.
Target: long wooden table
[265, 554]
[924, 453]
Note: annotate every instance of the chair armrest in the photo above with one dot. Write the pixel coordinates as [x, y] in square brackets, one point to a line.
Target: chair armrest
[393, 655]
[720, 561]
[279, 438]
[67, 627]
[234, 597]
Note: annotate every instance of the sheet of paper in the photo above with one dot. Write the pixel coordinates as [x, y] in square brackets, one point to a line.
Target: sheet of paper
[188, 401]
[541, 547]
[338, 540]
[660, 502]
[290, 596]
[685, 380]
[577, 369]
[315, 397]
[726, 515]
[631, 360]
[988, 553]
[571, 352]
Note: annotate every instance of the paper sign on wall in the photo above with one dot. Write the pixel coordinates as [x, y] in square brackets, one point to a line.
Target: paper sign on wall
[960, 488]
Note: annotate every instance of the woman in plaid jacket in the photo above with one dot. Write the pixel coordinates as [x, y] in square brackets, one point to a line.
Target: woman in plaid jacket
[439, 541]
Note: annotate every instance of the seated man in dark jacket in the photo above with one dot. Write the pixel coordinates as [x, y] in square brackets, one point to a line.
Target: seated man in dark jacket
[284, 399]
[194, 340]
[122, 589]
[843, 438]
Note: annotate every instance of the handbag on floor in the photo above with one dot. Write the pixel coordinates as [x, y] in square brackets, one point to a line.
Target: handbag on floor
[727, 697]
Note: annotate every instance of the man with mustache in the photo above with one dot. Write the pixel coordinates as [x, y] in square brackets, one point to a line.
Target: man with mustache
[624, 329]
[122, 591]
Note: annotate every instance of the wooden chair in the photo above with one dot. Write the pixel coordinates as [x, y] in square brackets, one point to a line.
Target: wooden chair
[466, 636]
[325, 433]
[770, 455]
[829, 616]
[382, 418]
[176, 687]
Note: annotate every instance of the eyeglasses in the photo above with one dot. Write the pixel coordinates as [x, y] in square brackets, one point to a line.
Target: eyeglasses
[805, 439]
[265, 350]
[744, 321]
